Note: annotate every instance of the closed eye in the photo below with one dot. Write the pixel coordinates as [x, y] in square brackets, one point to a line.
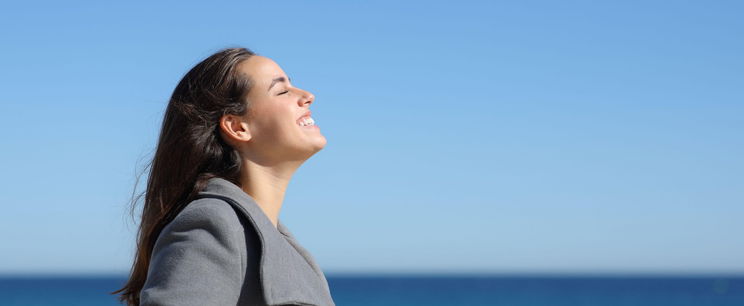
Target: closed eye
[283, 92]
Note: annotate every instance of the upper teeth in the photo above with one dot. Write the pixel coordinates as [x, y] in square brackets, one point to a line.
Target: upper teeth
[307, 121]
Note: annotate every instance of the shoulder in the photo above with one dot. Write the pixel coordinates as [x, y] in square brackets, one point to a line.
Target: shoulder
[206, 233]
[199, 258]
[208, 213]
[205, 223]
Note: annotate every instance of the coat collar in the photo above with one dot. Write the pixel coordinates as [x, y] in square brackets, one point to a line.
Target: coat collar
[288, 272]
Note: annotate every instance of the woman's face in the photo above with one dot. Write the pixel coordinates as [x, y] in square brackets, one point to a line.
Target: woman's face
[276, 113]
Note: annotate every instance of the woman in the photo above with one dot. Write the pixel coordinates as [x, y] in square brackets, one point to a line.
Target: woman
[234, 132]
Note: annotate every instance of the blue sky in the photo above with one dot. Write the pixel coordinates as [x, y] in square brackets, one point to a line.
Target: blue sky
[504, 137]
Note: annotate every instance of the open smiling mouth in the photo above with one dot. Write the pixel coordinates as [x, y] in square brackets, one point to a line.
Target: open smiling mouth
[306, 121]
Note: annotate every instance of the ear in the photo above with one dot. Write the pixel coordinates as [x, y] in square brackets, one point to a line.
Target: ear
[234, 129]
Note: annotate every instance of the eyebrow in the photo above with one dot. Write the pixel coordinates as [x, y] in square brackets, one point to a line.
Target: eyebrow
[276, 80]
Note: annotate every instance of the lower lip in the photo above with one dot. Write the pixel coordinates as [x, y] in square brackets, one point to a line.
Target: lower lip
[311, 127]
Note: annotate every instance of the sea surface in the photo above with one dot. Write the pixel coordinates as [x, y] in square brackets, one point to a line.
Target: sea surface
[432, 290]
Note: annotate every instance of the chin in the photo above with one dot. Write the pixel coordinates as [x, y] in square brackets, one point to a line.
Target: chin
[320, 145]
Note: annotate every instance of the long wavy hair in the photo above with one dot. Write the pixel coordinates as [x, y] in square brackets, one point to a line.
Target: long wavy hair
[189, 152]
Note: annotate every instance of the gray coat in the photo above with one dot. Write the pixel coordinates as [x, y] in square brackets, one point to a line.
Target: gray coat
[226, 251]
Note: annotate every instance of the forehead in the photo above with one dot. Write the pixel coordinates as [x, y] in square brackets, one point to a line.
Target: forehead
[261, 69]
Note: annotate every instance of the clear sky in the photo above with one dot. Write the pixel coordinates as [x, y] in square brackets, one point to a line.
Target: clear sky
[523, 136]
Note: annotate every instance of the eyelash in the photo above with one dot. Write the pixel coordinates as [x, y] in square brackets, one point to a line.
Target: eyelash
[283, 92]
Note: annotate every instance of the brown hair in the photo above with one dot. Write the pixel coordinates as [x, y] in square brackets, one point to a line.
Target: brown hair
[190, 151]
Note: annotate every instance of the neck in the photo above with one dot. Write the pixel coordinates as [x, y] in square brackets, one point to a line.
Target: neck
[267, 184]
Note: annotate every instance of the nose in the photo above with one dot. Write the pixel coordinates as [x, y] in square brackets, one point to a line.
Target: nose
[307, 97]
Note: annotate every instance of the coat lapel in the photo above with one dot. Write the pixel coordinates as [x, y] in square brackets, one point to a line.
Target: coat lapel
[289, 274]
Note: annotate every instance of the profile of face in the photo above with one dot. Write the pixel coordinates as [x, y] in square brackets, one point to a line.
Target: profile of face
[278, 126]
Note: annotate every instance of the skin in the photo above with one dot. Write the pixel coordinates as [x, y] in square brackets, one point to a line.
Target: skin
[270, 142]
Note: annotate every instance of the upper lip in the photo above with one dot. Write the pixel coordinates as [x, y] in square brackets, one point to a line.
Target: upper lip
[304, 115]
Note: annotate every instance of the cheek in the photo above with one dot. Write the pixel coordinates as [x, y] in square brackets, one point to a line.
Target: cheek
[273, 121]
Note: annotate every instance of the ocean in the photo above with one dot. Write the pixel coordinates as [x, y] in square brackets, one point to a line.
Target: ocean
[432, 290]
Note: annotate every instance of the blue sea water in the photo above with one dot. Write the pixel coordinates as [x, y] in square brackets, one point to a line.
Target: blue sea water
[433, 290]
